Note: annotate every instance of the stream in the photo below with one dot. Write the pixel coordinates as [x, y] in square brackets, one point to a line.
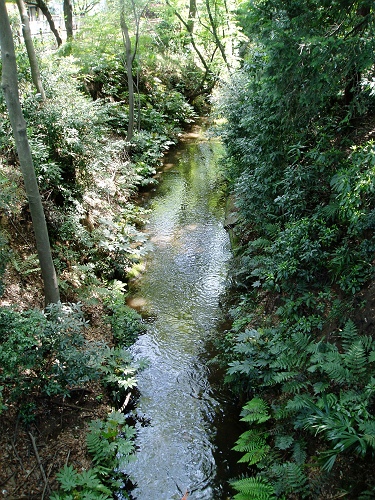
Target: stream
[187, 424]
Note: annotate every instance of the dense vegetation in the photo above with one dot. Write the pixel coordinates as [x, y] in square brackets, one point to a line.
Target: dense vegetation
[301, 156]
[90, 169]
[299, 133]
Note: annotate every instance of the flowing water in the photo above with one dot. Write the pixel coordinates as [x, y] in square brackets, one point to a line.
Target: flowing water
[184, 425]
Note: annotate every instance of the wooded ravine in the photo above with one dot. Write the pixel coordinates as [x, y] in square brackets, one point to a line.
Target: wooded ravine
[289, 87]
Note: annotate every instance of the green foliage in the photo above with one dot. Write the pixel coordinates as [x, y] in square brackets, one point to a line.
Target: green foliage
[56, 356]
[254, 444]
[300, 168]
[4, 258]
[110, 442]
[254, 488]
[126, 323]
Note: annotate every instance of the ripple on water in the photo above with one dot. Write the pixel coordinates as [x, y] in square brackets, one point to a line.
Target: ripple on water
[184, 278]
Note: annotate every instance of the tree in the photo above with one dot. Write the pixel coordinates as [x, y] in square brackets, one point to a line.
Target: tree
[10, 88]
[130, 56]
[34, 66]
[83, 7]
[47, 14]
[68, 18]
[209, 28]
[129, 67]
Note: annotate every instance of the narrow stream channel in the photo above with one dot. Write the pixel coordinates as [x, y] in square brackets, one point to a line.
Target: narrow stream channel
[180, 410]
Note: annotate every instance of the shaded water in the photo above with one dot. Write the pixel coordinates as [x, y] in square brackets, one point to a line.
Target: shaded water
[180, 289]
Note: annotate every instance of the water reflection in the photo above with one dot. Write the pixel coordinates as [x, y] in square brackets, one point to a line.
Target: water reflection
[185, 275]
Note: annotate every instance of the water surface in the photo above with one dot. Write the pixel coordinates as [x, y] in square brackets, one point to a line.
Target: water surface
[180, 292]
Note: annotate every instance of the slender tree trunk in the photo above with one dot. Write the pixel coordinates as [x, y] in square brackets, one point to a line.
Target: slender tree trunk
[128, 60]
[192, 15]
[34, 66]
[215, 35]
[10, 88]
[68, 18]
[44, 8]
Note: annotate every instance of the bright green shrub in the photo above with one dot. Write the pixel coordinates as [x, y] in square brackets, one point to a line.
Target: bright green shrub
[47, 353]
[125, 322]
[110, 443]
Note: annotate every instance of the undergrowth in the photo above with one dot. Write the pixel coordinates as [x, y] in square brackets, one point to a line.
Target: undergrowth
[300, 167]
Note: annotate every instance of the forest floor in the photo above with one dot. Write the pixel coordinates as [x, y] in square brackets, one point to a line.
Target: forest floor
[35, 445]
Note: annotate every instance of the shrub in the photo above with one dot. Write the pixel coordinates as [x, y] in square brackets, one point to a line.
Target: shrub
[46, 353]
[110, 443]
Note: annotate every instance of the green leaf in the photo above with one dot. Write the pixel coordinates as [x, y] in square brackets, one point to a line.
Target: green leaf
[255, 410]
[253, 488]
[68, 477]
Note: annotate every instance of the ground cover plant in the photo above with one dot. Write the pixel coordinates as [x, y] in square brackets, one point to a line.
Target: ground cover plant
[300, 142]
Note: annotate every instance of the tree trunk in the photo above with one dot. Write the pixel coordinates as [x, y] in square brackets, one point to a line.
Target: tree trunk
[43, 7]
[10, 88]
[128, 60]
[68, 18]
[192, 15]
[215, 35]
[30, 49]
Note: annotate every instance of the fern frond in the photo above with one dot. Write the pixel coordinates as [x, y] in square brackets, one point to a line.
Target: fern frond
[255, 410]
[260, 244]
[283, 442]
[299, 453]
[301, 340]
[337, 371]
[100, 449]
[250, 440]
[349, 334]
[284, 376]
[291, 478]
[356, 359]
[368, 429]
[253, 488]
[320, 387]
[254, 444]
[255, 456]
[294, 386]
[299, 402]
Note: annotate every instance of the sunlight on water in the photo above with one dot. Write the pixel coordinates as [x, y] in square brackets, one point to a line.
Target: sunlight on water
[185, 275]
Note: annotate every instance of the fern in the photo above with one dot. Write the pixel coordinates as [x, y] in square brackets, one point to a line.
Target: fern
[111, 445]
[299, 453]
[283, 442]
[349, 334]
[301, 340]
[337, 371]
[254, 443]
[84, 485]
[298, 403]
[255, 410]
[253, 488]
[368, 429]
[356, 360]
[290, 478]
[100, 449]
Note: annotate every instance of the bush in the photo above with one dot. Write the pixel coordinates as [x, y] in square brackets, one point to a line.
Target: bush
[46, 353]
[110, 442]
